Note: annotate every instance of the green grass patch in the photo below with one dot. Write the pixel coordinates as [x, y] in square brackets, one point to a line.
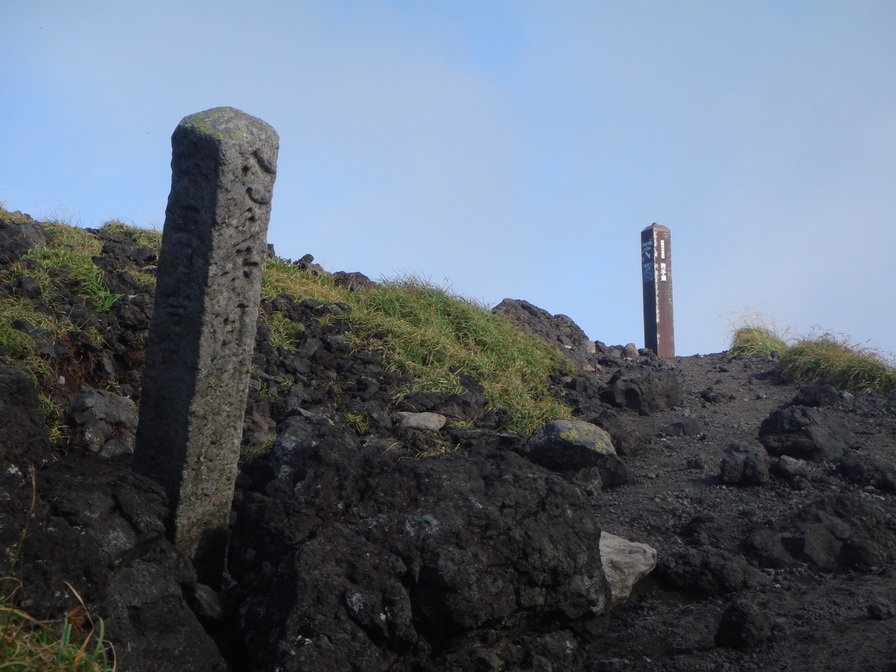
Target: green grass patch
[70, 252]
[358, 422]
[841, 363]
[820, 359]
[20, 346]
[257, 448]
[75, 643]
[762, 341]
[284, 332]
[417, 328]
[281, 276]
[139, 236]
[425, 331]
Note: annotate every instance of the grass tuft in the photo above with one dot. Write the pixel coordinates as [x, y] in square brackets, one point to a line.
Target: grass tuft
[139, 236]
[841, 363]
[70, 252]
[820, 359]
[423, 330]
[757, 341]
[75, 643]
[281, 276]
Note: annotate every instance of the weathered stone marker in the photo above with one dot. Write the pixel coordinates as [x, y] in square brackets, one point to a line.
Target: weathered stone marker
[656, 264]
[202, 333]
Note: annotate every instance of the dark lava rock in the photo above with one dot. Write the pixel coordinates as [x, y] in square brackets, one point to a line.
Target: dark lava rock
[18, 234]
[373, 565]
[789, 468]
[864, 471]
[744, 625]
[467, 405]
[557, 329]
[881, 610]
[845, 532]
[805, 433]
[103, 533]
[572, 445]
[102, 422]
[686, 427]
[706, 571]
[643, 389]
[816, 396]
[744, 463]
[23, 434]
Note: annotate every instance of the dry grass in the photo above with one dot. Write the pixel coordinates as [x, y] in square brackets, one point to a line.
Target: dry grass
[823, 358]
[75, 643]
[829, 359]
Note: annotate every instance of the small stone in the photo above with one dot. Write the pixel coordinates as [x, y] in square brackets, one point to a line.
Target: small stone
[696, 463]
[744, 463]
[431, 422]
[625, 563]
[743, 626]
[206, 603]
[789, 468]
[881, 610]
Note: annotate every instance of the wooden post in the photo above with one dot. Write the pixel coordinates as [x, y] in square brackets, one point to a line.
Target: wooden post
[656, 264]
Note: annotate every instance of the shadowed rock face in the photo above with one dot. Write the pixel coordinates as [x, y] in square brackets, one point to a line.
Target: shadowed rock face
[804, 432]
[200, 342]
[374, 560]
[23, 434]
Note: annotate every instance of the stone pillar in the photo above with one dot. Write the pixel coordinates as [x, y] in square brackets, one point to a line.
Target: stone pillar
[202, 333]
[656, 264]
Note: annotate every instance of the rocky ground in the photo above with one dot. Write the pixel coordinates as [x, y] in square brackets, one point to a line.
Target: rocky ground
[362, 540]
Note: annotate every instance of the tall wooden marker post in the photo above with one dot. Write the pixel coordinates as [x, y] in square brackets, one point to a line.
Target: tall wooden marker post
[656, 274]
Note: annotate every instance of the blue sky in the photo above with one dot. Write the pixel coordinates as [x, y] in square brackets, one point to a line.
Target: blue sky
[506, 149]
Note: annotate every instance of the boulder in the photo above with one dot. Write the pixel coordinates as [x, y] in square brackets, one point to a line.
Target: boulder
[804, 432]
[18, 234]
[630, 351]
[468, 405]
[102, 422]
[744, 463]
[571, 445]
[686, 427]
[789, 468]
[644, 390]
[363, 560]
[865, 471]
[828, 534]
[707, 571]
[625, 563]
[104, 534]
[744, 625]
[816, 395]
